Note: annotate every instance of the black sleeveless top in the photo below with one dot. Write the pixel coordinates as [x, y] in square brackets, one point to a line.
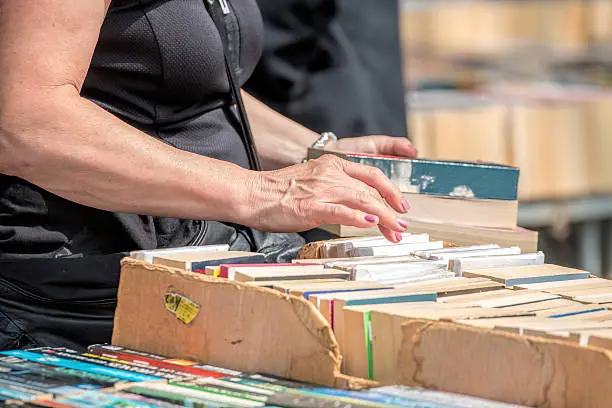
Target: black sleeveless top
[158, 66]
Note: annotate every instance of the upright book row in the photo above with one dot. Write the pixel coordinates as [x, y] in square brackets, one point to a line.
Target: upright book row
[362, 312]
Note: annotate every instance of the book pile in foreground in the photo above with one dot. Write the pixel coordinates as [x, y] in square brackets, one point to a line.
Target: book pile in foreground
[109, 376]
[357, 313]
[455, 201]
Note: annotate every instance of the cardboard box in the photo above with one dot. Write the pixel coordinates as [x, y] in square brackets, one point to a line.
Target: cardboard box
[225, 323]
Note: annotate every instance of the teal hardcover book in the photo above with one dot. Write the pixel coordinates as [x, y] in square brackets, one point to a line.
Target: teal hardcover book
[457, 179]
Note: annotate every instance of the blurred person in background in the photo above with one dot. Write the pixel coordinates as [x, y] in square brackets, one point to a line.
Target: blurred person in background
[333, 65]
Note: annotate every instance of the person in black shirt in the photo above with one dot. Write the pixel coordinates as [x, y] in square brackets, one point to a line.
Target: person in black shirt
[118, 132]
[333, 65]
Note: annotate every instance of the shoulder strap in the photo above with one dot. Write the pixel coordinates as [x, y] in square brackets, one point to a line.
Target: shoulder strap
[219, 10]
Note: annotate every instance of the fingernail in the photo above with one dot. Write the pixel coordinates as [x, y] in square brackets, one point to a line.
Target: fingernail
[405, 205]
[370, 218]
[402, 223]
[398, 236]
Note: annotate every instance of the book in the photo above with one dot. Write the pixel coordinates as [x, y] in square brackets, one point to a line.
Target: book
[430, 253]
[462, 211]
[265, 274]
[526, 239]
[197, 262]
[306, 290]
[439, 177]
[343, 247]
[108, 361]
[528, 274]
[229, 271]
[153, 360]
[455, 286]
[272, 284]
[77, 365]
[147, 255]
[458, 254]
[458, 265]
[395, 249]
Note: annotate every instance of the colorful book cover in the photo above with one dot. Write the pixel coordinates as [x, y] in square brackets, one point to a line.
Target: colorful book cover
[228, 392]
[148, 359]
[440, 177]
[77, 365]
[118, 364]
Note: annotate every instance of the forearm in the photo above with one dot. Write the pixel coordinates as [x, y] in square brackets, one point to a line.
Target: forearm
[280, 141]
[74, 149]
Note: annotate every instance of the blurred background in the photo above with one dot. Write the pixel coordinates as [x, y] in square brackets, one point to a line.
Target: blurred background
[526, 83]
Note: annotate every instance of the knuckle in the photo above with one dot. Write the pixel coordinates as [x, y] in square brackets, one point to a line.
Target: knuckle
[362, 198]
[336, 211]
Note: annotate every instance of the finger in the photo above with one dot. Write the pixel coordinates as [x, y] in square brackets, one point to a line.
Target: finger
[396, 146]
[392, 236]
[376, 179]
[331, 213]
[371, 204]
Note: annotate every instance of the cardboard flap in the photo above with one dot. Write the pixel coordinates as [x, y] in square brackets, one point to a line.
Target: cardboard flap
[175, 313]
[502, 366]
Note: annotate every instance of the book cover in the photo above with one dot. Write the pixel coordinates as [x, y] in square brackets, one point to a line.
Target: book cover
[77, 365]
[440, 177]
[153, 360]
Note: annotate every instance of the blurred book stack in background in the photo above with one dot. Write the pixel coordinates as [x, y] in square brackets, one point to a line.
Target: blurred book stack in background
[525, 83]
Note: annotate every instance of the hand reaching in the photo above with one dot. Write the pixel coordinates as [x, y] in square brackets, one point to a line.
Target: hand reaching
[328, 190]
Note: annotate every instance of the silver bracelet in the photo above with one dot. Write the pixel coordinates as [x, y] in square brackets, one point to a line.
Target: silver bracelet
[323, 140]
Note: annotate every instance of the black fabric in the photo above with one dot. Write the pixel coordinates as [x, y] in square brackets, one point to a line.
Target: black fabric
[333, 65]
[70, 302]
[159, 66]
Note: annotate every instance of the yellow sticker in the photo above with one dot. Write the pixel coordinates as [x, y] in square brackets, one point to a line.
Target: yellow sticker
[184, 309]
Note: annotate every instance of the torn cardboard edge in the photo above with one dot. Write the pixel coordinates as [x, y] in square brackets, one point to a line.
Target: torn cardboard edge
[238, 326]
[503, 366]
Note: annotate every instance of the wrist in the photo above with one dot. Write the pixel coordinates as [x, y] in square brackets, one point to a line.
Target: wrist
[262, 193]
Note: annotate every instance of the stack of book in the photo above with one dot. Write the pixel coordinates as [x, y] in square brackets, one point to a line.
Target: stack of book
[352, 313]
[110, 376]
[464, 203]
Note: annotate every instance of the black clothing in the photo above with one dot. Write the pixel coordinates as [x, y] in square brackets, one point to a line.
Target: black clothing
[158, 66]
[333, 65]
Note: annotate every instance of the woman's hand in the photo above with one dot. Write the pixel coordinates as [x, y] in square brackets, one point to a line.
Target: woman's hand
[385, 145]
[328, 190]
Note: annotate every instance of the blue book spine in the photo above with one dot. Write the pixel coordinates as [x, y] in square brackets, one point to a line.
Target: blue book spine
[424, 297]
[91, 368]
[543, 279]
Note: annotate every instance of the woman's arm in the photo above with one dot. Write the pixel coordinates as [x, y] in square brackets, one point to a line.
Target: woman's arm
[69, 146]
[54, 138]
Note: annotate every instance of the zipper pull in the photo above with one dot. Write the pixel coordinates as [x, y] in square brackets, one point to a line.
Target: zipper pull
[224, 7]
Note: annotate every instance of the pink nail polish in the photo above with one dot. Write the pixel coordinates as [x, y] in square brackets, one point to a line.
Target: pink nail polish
[402, 224]
[398, 236]
[370, 218]
[405, 205]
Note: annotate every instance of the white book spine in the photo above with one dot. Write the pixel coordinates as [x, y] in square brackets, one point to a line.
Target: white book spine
[396, 249]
